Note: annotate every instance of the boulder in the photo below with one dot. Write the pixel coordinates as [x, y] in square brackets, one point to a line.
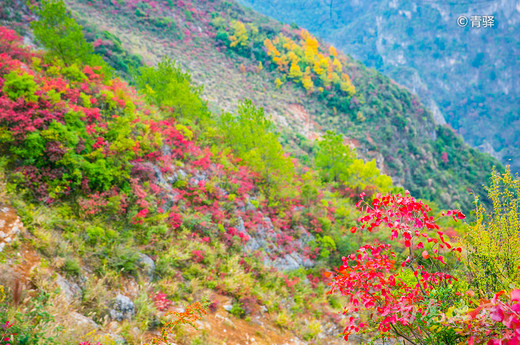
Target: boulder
[123, 308]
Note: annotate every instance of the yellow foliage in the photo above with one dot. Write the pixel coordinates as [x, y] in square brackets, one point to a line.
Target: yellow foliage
[334, 77]
[293, 58]
[271, 49]
[278, 83]
[310, 44]
[282, 62]
[337, 65]
[346, 85]
[307, 81]
[295, 72]
[325, 79]
[260, 67]
[239, 36]
[492, 244]
[322, 69]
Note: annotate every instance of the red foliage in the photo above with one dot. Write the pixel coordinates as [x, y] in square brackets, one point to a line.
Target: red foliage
[370, 279]
[161, 301]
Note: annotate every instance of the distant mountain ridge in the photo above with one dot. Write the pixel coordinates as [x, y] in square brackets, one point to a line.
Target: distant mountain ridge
[468, 76]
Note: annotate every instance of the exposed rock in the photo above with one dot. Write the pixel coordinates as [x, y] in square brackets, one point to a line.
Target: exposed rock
[69, 290]
[181, 174]
[250, 206]
[10, 226]
[240, 225]
[112, 338]
[147, 265]
[289, 262]
[82, 322]
[198, 177]
[123, 308]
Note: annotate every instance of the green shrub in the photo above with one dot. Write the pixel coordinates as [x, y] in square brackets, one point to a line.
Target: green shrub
[18, 85]
[72, 267]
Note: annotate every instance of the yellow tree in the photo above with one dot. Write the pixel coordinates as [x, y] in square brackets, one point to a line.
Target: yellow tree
[282, 62]
[239, 36]
[321, 64]
[271, 49]
[337, 65]
[332, 51]
[295, 72]
[260, 67]
[307, 80]
[346, 85]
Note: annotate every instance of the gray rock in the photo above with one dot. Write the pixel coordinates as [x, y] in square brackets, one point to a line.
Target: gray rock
[198, 177]
[166, 150]
[147, 265]
[181, 174]
[123, 308]
[69, 290]
[289, 262]
[158, 175]
[250, 206]
[118, 340]
[81, 321]
[240, 225]
[228, 307]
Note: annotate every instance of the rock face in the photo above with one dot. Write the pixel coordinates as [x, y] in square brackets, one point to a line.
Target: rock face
[265, 235]
[123, 308]
[69, 290]
[147, 265]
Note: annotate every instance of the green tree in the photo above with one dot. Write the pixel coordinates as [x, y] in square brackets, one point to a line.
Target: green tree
[57, 31]
[333, 158]
[363, 174]
[166, 85]
[251, 134]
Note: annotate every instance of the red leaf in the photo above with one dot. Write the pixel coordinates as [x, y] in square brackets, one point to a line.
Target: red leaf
[515, 295]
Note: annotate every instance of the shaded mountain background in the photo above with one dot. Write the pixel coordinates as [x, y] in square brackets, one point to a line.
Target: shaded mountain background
[468, 77]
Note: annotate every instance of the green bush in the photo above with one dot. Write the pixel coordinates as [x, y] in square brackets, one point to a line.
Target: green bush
[18, 85]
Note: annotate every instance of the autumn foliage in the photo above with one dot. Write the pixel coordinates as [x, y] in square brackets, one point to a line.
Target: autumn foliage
[408, 289]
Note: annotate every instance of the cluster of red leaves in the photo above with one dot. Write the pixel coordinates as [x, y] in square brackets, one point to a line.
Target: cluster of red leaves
[11, 47]
[370, 277]
[5, 337]
[493, 322]
[161, 301]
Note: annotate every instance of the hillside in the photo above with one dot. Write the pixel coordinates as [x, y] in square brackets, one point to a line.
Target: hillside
[383, 120]
[467, 76]
[128, 200]
[98, 185]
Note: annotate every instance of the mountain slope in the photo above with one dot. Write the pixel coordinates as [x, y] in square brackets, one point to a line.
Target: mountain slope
[468, 76]
[123, 204]
[394, 128]
[114, 212]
